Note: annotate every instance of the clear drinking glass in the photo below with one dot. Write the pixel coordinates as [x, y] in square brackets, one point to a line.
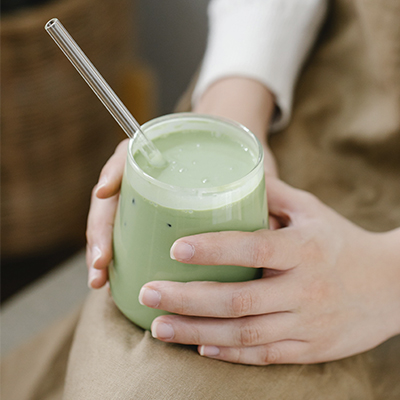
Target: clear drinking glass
[152, 214]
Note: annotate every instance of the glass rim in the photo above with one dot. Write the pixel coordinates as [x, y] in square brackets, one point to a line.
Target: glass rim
[202, 117]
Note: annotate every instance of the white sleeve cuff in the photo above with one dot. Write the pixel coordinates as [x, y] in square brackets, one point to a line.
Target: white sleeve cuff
[267, 40]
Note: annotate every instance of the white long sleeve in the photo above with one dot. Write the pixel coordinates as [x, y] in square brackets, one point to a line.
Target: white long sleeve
[267, 40]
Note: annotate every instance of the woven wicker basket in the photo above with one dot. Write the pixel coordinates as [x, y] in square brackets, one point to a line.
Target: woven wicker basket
[56, 135]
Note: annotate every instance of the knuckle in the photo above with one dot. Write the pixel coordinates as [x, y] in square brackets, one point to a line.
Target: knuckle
[89, 236]
[241, 303]
[260, 252]
[270, 355]
[209, 247]
[312, 202]
[317, 292]
[235, 355]
[240, 355]
[181, 303]
[194, 336]
[249, 335]
[308, 197]
[311, 251]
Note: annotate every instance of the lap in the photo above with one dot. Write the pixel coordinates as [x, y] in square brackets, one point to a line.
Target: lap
[111, 358]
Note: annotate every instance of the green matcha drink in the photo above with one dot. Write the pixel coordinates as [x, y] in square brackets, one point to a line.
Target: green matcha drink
[214, 181]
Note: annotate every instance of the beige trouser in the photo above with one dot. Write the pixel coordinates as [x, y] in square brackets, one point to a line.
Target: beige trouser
[113, 359]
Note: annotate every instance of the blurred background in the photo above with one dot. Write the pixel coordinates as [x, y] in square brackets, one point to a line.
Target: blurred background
[56, 135]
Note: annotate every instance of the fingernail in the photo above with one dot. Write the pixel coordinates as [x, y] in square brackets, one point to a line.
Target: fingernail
[102, 182]
[161, 330]
[93, 275]
[149, 297]
[209, 351]
[96, 254]
[182, 251]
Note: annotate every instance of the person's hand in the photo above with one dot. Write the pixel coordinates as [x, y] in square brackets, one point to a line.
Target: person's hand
[244, 100]
[329, 288]
[103, 207]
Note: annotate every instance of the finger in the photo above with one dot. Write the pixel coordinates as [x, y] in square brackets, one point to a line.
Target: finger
[279, 249]
[287, 202]
[282, 352]
[99, 231]
[222, 300]
[97, 278]
[240, 332]
[274, 223]
[111, 175]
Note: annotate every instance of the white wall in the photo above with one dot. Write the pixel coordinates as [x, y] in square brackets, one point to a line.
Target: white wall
[172, 36]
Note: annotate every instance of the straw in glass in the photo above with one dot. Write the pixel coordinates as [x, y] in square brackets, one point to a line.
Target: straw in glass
[103, 91]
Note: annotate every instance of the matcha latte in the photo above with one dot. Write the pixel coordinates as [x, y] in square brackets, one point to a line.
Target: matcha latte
[214, 181]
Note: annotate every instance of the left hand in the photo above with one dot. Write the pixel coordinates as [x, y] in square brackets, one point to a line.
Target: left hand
[100, 224]
[329, 288]
[245, 100]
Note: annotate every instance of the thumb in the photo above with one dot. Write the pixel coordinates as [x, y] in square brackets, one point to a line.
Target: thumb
[284, 201]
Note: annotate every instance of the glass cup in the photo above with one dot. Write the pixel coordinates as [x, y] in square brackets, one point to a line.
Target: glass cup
[152, 214]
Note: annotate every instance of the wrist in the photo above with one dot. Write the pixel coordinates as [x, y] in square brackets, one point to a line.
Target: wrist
[244, 100]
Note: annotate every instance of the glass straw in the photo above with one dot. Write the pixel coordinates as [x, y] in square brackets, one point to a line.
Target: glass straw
[103, 91]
